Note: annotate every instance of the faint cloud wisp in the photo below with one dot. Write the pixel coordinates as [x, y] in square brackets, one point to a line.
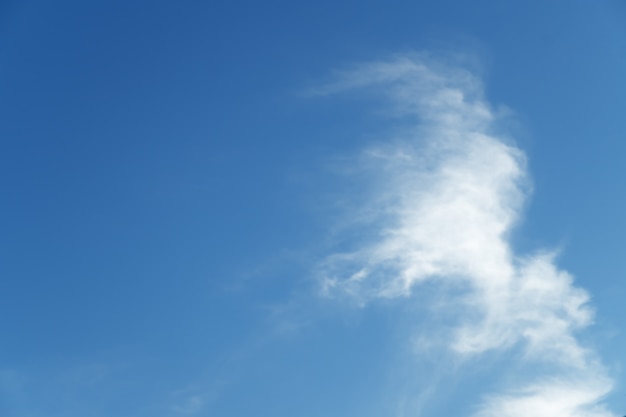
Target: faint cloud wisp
[440, 208]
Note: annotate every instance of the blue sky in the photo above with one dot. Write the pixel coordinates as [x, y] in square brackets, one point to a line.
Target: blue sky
[312, 209]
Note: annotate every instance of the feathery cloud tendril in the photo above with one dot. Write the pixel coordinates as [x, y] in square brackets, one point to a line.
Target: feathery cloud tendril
[442, 207]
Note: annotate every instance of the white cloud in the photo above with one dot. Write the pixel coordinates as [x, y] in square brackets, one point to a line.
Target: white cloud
[441, 209]
[558, 396]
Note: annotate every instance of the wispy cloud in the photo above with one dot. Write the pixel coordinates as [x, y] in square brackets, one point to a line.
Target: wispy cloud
[191, 401]
[441, 207]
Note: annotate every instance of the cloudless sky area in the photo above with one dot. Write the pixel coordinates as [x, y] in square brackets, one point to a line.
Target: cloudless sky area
[170, 185]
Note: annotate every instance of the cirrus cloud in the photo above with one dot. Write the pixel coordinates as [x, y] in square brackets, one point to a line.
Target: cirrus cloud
[441, 207]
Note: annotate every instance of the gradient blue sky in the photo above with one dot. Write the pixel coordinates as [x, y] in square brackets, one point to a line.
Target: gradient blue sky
[170, 186]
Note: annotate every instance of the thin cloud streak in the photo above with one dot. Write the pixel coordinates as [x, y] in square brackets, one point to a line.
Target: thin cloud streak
[442, 207]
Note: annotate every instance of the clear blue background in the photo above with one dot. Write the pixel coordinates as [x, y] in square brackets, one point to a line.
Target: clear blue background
[162, 193]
